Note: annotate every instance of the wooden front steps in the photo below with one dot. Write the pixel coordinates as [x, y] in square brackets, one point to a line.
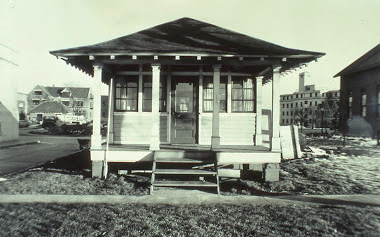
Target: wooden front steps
[195, 169]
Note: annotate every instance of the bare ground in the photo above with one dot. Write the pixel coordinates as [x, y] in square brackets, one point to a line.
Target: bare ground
[187, 220]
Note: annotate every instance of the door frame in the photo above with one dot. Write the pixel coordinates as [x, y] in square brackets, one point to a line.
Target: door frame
[195, 80]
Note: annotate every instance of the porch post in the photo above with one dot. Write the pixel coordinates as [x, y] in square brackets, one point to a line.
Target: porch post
[259, 98]
[111, 96]
[155, 137]
[96, 138]
[275, 136]
[215, 138]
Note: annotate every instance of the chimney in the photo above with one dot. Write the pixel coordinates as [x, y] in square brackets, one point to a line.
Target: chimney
[302, 78]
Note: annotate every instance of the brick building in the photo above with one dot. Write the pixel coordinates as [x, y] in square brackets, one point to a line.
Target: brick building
[307, 105]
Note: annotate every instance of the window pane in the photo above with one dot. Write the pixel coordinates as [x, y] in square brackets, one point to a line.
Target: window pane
[147, 105]
[248, 106]
[237, 94]
[147, 93]
[208, 94]
[237, 106]
[222, 106]
[208, 106]
[132, 93]
[248, 94]
[132, 84]
[131, 105]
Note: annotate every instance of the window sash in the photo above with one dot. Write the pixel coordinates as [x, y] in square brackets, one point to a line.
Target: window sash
[126, 94]
[243, 96]
[208, 94]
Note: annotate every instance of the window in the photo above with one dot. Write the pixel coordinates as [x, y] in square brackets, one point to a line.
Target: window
[126, 94]
[305, 102]
[287, 120]
[291, 105]
[287, 105]
[296, 96]
[65, 94]
[296, 104]
[242, 95]
[36, 102]
[208, 94]
[37, 92]
[283, 113]
[311, 94]
[283, 121]
[301, 95]
[363, 103]
[316, 103]
[147, 94]
[311, 103]
[349, 104]
[287, 113]
[316, 94]
[283, 105]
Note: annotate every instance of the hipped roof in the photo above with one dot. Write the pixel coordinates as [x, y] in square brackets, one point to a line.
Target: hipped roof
[50, 107]
[77, 92]
[185, 36]
[368, 60]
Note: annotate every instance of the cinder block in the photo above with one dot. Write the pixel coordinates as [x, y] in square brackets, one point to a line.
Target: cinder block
[97, 169]
[256, 167]
[272, 172]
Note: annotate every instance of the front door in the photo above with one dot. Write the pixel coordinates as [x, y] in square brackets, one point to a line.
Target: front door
[184, 110]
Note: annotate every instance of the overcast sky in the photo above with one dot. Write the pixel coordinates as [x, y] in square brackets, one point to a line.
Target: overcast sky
[343, 29]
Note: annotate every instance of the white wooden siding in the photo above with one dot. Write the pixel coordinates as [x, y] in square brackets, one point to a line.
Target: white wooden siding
[235, 128]
[136, 128]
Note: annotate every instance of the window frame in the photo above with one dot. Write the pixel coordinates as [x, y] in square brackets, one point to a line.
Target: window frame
[242, 89]
[125, 86]
[208, 80]
[363, 106]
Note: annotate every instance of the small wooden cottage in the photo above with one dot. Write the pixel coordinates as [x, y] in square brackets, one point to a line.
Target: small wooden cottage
[163, 98]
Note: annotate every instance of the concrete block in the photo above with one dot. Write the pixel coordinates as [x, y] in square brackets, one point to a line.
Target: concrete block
[97, 169]
[256, 167]
[272, 172]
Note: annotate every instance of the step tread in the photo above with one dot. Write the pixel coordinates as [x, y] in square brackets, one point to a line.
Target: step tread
[184, 160]
[171, 183]
[185, 171]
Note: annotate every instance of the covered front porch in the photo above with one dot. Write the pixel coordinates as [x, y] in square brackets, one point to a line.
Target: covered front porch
[165, 83]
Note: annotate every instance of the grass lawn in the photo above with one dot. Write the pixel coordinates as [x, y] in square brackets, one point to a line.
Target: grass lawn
[187, 220]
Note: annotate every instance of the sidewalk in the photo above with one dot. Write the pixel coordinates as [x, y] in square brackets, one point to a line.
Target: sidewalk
[197, 197]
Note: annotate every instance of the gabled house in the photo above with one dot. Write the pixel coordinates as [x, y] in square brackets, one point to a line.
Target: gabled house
[360, 95]
[78, 100]
[166, 82]
[47, 109]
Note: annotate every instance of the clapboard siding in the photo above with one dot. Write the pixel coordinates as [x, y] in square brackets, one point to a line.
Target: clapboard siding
[136, 128]
[235, 129]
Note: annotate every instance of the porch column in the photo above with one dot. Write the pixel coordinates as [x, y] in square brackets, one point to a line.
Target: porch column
[155, 137]
[96, 138]
[275, 136]
[111, 96]
[259, 98]
[215, 138]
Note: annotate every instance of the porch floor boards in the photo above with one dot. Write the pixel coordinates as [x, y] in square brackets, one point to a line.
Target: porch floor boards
[186, 147]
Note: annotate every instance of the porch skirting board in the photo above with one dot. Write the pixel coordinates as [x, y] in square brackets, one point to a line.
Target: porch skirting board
[222, 157]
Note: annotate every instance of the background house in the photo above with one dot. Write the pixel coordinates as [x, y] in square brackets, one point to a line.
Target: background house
[360, 95]
[78, 100]
[307, 105]
[47, 109]
[9, 115]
